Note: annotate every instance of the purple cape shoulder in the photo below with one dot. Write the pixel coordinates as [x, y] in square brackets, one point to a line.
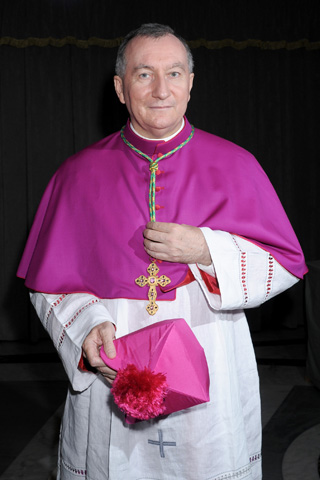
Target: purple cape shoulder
[87, 233]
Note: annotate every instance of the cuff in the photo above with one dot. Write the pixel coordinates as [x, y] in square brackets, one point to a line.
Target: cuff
[209, 269]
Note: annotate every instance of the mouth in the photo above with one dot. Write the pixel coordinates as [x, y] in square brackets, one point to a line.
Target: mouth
[160, 106]
[160, 109]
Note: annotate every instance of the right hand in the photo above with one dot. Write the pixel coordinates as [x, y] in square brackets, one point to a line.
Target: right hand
[101, 335]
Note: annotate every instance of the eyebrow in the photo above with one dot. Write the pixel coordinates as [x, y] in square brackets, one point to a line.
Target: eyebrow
[142, 65]
[150, 67]
[178, 65]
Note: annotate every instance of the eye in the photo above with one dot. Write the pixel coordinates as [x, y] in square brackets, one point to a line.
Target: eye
[175, 74]
[144, 75]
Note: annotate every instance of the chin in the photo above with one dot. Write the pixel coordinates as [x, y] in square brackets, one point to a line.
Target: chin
[163, 130]
[164, 124]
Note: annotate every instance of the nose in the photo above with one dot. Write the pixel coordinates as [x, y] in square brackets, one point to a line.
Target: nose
[160, 88]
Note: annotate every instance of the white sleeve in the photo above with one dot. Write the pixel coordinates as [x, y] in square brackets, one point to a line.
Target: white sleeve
[247, 274]
[69, 318]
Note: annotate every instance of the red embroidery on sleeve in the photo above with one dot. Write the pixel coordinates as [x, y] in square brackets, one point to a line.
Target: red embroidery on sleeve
[244, 277]
[75, 316]
[270, 275]
[54, 304]
[243, 272]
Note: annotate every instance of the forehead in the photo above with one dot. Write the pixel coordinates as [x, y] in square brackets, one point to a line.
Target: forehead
[167, 50]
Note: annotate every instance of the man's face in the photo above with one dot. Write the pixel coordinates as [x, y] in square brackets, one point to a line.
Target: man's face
[156, 85]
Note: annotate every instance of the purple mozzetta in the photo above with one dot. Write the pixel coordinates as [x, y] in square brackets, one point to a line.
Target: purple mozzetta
[87, 234]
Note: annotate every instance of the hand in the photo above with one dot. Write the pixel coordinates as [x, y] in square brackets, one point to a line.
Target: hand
[176, 243]
[102, 334]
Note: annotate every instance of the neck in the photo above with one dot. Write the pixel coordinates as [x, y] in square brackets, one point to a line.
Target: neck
[165, 139]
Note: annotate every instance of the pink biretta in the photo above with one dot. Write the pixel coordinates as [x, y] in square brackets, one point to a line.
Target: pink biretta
[161, 369]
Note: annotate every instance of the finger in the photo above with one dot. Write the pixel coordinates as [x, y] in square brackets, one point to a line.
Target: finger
[98, 363]
[108, 336]
[156, 247]
[157, 255]
[160, 226]
[153, 245]
[107, 372]
[153, 235]
[167, 235]
[109, 348]
[91, 352]
[108, 379]
[102, 334]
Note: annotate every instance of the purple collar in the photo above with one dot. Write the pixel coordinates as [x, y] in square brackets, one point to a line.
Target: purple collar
[152, 147]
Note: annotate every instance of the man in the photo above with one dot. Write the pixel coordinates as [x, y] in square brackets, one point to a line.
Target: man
[217, 232]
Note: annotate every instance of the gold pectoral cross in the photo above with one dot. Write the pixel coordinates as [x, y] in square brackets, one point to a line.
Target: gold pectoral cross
[152, 281]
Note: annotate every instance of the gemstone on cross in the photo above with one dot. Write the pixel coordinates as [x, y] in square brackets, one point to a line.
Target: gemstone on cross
[152, 281]
[161, 443]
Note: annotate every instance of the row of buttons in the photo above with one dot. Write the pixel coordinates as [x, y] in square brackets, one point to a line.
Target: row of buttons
[158, 189]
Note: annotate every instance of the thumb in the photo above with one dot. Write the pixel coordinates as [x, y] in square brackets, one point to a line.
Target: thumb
[108, 337]
[109, 348]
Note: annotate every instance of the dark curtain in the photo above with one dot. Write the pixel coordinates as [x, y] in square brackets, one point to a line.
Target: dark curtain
[257, 78]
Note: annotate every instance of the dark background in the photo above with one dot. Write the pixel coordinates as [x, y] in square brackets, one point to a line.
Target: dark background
[257, 79]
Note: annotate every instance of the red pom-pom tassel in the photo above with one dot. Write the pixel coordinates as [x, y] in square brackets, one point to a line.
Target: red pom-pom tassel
[140, 393]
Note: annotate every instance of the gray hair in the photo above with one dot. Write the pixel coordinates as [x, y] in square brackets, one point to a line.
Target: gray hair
[149, 30]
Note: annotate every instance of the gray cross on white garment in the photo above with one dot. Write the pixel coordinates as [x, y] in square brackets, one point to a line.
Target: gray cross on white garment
[161, 443]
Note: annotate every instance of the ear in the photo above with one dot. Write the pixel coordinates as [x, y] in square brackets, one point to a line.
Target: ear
[118, 86]
[191, 77]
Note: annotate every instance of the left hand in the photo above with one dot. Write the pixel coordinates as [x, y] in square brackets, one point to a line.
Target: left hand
[176, 243]
[102, 334]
